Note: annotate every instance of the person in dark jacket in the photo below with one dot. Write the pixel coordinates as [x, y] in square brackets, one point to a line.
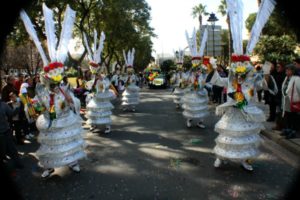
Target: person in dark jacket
[18, 122]
[8, 88]
[279, 76]
[270, 89]
[8, 147]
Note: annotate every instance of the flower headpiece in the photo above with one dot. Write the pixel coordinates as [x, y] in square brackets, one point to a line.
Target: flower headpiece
[179, 55]
[54, 69]
[193, 46]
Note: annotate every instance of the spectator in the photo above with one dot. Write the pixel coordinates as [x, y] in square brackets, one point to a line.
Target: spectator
[19, 82]
[217, 90]
[279, 76]
[270, 90]
[18, 121]
[297, 64]
[291, 93]
[8, 146]
[29, 86]
[8, 88]
[258, 69]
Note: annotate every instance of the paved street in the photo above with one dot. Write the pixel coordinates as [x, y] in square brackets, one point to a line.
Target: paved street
[150, 154]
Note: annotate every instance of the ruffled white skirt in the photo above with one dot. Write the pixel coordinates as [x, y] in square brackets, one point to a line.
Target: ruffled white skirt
[195, 104]
[238, 137]
[178, 94]
[61, 143]
[99, 109]
[131, 95]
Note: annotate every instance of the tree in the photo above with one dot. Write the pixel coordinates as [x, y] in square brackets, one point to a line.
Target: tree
[225, 44]
[187, 62]
[276, 48]
[167, 65]
[19, 57]
[223, 11]
[125, 23]
[278, 40]
[198, 11]
[276, 25]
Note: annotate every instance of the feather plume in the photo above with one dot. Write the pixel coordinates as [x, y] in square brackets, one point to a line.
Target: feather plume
[32, 33]
[87, 46]
[235, 11]
[132, 56]
[95, 44]
[190, 44]
[66, 34]
[50, 32]
[265, 10]
[203, 43]
[125, 59]
[100, 48]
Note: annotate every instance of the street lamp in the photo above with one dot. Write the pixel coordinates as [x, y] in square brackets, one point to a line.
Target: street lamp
[212, 19]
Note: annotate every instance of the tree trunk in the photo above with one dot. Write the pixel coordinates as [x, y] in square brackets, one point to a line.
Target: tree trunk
[200, 21]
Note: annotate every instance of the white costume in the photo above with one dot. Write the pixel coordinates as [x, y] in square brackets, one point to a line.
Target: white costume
[195, 99]
[98, 109]
[241, 120]
[131, 94]
[178, 79]
[59, 123]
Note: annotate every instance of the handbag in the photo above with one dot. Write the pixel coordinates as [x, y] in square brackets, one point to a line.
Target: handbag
[295, 106]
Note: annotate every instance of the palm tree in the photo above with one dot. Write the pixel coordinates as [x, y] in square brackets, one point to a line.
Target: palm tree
[198, 11]
[223, 11]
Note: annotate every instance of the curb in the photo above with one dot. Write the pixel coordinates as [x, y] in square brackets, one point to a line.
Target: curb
[287, 144]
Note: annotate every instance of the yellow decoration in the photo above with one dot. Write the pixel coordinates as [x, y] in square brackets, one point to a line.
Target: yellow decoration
[251, 92]
[195, 65]
[240, 69]
[27, 101]
[239, 97]
[57, 78]
[101, 86]
[234, 84]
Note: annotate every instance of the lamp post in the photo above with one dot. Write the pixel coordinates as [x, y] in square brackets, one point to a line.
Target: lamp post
[212, 19]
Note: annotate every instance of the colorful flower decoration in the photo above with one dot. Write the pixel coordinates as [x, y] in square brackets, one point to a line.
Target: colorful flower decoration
[54, 71]
[239, 58]
[240, 69]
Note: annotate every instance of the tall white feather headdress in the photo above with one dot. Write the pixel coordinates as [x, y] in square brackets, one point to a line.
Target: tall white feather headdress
[196, 51]
[265, 10]
[129, 58]
[94, 53]
[57, 52]
[235, 11]
[179, 55]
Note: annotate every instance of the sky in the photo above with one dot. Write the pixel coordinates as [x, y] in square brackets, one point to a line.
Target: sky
[170, 19]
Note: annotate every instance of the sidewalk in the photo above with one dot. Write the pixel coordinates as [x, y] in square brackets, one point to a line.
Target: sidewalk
[292, 145]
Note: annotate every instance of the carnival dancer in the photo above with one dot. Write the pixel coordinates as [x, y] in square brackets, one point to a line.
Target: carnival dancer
[178, 79]
[59, 122]
[241, 120]
[98, 109]
[131, 94]
[195, 99]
